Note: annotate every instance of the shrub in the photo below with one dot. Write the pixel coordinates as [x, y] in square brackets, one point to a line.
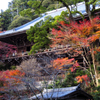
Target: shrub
[13, 67]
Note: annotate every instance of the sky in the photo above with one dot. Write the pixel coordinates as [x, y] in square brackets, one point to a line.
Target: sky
[4, 4]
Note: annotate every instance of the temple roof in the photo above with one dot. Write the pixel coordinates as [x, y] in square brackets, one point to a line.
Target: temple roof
[53, 13]
[55, 93]
[60, 93]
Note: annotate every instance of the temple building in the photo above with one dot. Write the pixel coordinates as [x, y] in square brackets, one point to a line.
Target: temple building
[69, 93]
[18, 36]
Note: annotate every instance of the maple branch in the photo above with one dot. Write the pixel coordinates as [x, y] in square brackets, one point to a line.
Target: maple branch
[40, 4]
[93, 59]
[88, 8]
[91, 73]
[87, 57]
[67, 6]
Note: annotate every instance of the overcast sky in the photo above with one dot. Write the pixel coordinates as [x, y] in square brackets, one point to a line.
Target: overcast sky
[4, 4]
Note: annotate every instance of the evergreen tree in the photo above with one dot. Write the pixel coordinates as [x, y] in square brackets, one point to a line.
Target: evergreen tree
[40, 32]
[5, 19]
[39, 35]
[18, 21]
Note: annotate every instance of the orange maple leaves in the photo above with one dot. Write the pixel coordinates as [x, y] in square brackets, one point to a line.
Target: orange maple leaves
[82, 34]
[83, 77]
[9, 75]
[60, 62]
[78, 36]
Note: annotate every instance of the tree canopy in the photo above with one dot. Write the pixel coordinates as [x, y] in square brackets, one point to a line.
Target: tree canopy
[38, 6]
[41, 6]
[18, 21]
[32, 9]
[6, 49]
[39, 35]
[5, 19]
[40, 32]
[83, 39]
[17, 5]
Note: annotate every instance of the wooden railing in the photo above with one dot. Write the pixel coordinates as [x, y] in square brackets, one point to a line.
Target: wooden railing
[58, 50]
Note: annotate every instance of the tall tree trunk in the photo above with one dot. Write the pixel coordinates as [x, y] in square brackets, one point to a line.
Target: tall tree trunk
[67, 6]
[93, 9]
[87, 6]
[94, 65]
[17, 10]
[90, 69]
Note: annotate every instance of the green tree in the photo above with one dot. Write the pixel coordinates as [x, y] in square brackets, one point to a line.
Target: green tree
[18, 21]
[69, 79]
[5, 19]
[29, 13]
[66, 3]
[38, 6]
[18, 5]
[96, 93]
[40, 32]
[41, 6]
[51, 5]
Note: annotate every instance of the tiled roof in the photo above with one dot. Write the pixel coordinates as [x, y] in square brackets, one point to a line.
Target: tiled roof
[56, 93]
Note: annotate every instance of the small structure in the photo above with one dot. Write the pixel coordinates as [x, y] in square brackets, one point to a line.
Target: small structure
[70, 93]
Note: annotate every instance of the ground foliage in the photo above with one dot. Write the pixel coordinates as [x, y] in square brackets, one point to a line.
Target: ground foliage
[96, 93]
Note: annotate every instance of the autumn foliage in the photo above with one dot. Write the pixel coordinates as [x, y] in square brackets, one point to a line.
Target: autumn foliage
[10, 77]
[6, 49]
[83, 39]
[82, 34]
[82, 78]
[60, 62]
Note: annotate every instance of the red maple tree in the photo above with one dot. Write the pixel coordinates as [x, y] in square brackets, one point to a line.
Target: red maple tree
[83, 39]
[10, 77]
[6, 49]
